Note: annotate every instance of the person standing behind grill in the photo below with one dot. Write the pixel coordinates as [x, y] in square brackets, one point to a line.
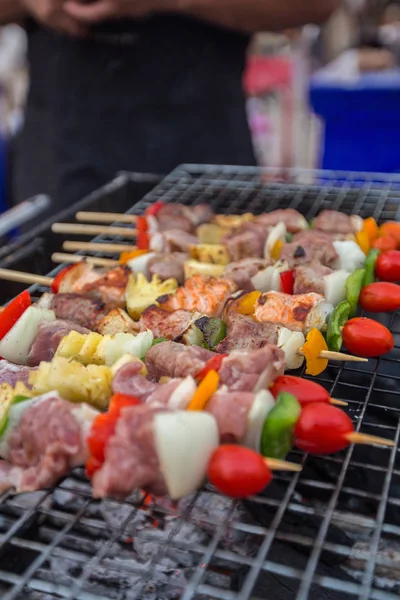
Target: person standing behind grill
[138, 85]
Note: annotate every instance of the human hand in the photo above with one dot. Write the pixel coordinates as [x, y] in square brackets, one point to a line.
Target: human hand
[102, 10]
[51, 14]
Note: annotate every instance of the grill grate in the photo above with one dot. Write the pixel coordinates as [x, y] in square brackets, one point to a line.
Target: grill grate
[331, 532]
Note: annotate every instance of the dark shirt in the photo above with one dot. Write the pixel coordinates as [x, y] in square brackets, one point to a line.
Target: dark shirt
[137, 96]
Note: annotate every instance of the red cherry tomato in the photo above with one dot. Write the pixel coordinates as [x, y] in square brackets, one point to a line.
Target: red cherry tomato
[214, 364]
[322, 429]
[55, 286]
[13, 312]
[304, 390]
[385, 243]
[388, 266]
[287, 282]
[238, 472]
[367, 338]
[381, 296]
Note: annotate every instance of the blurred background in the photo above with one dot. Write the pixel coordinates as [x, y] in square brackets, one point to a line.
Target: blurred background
[317, 97]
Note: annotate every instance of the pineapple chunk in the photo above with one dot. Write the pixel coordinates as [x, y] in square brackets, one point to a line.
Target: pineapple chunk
[193, 267]
[232, 221]
[89, 347]
[140, 293]
[216, 254]
[71, 344]
[74, 382]
[210, 233]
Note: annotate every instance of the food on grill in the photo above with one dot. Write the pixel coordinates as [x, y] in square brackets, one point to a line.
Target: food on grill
[170, 359]
[247, 241]
[252, 371]
[13, 311]
[42, 440]
[216, 254]
[310, 246]
[211, 233]
[314, 277]
[194, 267]
[72, 380]
[167, 266]
[292, 219]
[247, 274]
[78, 308]
[351, 257]
[304, 390]
[206, 295]
[48, 338]
[388, 266]
[16, 344]
[325, 429]
[214, 331]
[382, 296]
[173, 240]
[332, 221]
[353, 286]
[277, 433]
[140, 293]
[298, 313]
[117, 321]
[13, 374]
[370, 266]
[367, 338]
[336, 321]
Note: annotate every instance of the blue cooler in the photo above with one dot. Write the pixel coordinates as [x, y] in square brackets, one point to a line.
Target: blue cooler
[361, 120]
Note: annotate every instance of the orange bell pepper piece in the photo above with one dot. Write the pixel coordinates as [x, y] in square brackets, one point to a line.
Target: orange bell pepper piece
[371, 228]
[362, 239]
[276, 250]
[247, 304]
[315, 344]
[124, 257]
[207, 388]
[390, 228]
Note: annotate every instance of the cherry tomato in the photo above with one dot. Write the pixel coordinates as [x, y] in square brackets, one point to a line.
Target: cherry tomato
[55, 286]
[391, 228]
[304, 390]
[381, 296]
[367, 338]
[13, 312]
[322, 429]
[120, 401]
[238, 472]
[388, 266]
[385, 243]
[102, 429]
[214, 364]
[287, 282]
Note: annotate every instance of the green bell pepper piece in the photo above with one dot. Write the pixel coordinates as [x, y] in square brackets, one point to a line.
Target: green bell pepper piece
[370, 263]
[353, 289]
[289, 237]
[4, 419]
[214, 331]
[312, 223]
[336, 320]
[277, 433]
[159, 341]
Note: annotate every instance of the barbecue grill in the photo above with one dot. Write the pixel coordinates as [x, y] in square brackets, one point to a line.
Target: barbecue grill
[331, 532]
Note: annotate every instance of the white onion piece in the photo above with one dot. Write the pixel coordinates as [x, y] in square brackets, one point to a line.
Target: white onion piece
[263, 403]
[262, 280]
[351, 257]
[152, 224]
[290, 342]
[184, 442]
[45, 301]
[157, 242]
[16, 344]
[278, 232]
[357, 222]
[85, 415]
[318, 316]
[183, 394]
[335, 287]
[127, 343]
[140, 263]
[278, 268]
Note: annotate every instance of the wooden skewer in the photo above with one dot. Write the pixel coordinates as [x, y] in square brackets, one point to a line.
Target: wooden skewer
[99, 217]
[282, 465]
[338, 402]
[97, 247]
[328, 354]
[76, 229]
[29, 278]
[370, 440]
[61, 257]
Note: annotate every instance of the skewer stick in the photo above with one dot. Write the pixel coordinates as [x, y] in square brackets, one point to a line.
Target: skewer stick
[100, 217]
[341, 356]
[338, 402]
[282, 465]
[76, 229]
[20, 277]
[370, 440]
[61, 257]
[97, 247]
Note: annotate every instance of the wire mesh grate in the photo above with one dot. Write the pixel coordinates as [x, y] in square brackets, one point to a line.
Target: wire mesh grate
[330, 532]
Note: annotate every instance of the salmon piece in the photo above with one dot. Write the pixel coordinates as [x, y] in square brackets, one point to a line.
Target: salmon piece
[203, 294]
[108, 286]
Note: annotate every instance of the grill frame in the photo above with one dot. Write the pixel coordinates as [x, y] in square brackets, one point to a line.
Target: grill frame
[370, 390]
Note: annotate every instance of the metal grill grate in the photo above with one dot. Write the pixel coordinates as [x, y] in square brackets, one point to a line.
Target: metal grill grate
[331, 532]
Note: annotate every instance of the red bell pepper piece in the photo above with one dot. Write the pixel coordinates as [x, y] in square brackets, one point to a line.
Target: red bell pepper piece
[13, 312]
[143, 239]
[55, 286]
[287, 282]
[120, 401]
[154, 209]
[214, 364]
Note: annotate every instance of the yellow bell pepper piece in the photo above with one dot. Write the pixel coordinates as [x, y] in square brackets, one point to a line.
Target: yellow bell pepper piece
[124, 257]
[276, 250]
[370, 226]
[247, 304]
[315, 344]
[362, 239]
[207, 388]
